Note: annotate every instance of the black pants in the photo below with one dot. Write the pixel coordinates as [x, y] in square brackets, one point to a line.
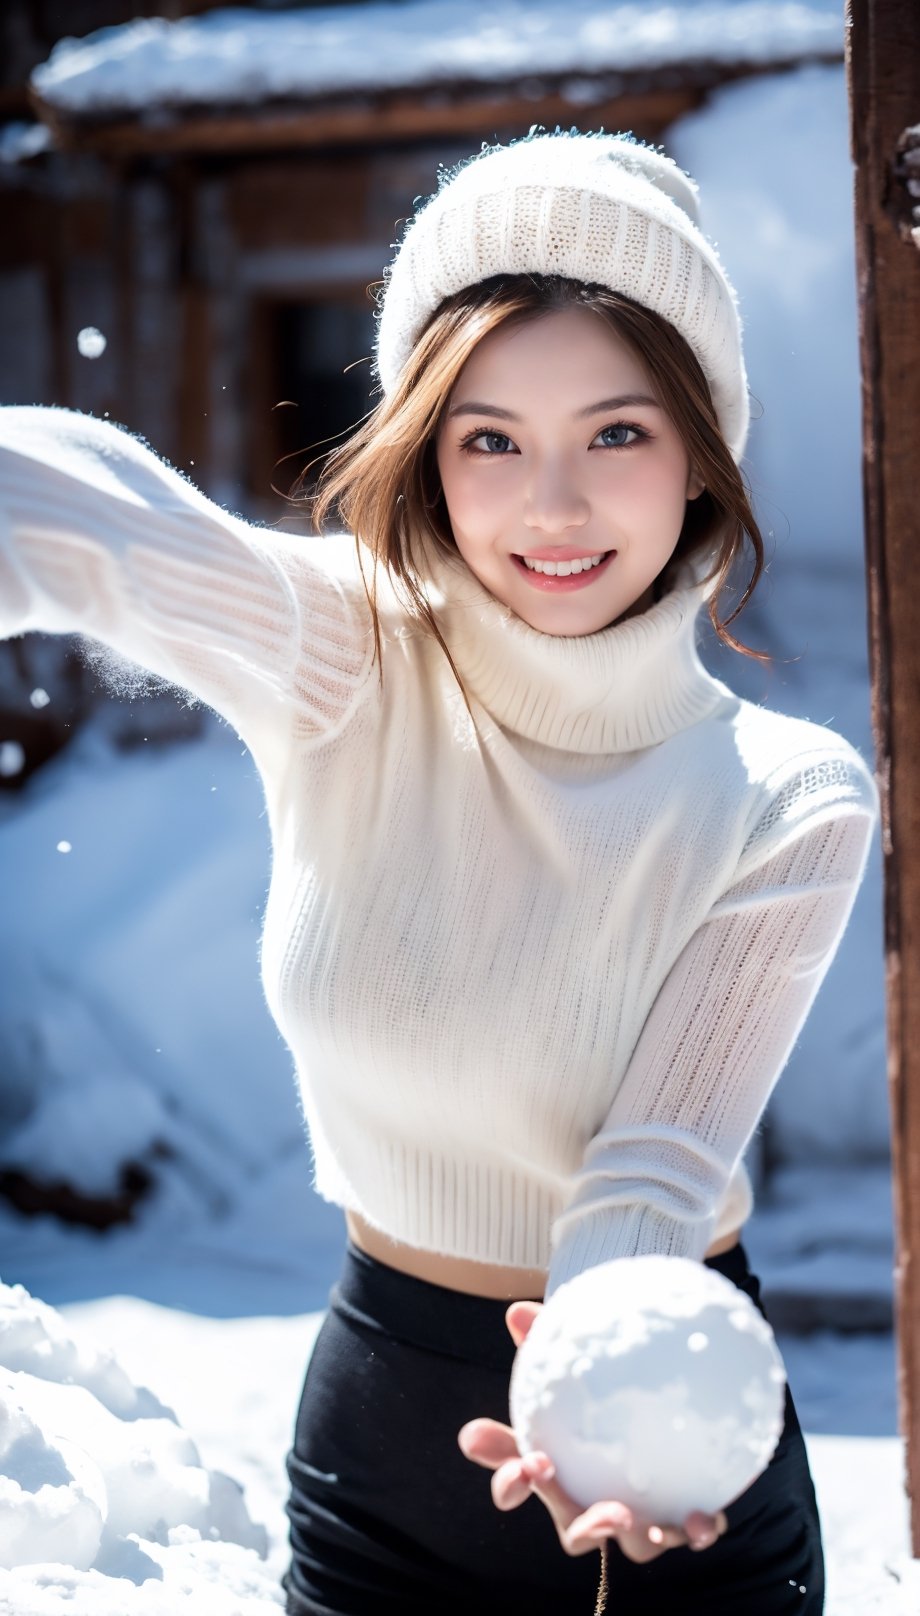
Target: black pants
[387, 1515]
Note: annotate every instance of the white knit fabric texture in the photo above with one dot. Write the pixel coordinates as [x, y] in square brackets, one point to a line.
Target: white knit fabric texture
[540, 968]
[591, 207]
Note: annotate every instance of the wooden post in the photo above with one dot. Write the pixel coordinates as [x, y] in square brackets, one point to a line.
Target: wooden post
[883, 69]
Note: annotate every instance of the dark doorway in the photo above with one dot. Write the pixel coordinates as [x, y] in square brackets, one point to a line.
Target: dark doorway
[313, 384]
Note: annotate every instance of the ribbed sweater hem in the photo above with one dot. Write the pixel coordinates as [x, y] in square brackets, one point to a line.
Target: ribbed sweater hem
[448, 1205]
[461, 1208]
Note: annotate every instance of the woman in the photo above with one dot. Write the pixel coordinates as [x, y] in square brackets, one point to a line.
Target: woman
[549, 903]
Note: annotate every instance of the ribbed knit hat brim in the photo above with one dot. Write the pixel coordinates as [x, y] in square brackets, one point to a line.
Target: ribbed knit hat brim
[591, 207]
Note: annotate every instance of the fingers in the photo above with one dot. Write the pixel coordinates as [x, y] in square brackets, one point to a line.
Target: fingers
[581, 1531]
[540, 1471]
[588, 1529]
[494, 1446]
[487, 1442]
[704, 1530]
[519, 1318]
[510, 1485]
[611, 1520]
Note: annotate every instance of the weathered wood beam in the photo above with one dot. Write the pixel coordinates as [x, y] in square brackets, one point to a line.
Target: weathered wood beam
[648, 102]
[883, 67]
[313, 127]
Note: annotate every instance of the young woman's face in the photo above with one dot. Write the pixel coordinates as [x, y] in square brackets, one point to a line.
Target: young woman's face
[554, 451]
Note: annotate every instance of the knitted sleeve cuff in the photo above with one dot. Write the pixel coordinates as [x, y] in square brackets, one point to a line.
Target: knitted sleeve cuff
[637, 1230]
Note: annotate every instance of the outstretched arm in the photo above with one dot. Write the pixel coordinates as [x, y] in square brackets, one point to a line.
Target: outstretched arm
[101, 537]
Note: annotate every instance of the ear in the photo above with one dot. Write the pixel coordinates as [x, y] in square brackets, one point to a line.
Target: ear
[695, 484]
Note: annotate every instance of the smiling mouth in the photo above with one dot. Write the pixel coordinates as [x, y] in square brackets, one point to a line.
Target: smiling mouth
[574, 573]
[564, 568]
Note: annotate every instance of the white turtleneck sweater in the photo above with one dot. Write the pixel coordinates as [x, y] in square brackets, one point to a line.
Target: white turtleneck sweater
[540, 966]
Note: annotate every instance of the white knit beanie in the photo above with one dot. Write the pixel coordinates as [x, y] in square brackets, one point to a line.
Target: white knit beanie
[591, 207]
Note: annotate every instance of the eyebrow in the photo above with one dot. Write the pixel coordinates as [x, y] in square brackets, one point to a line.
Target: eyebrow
[623, 401]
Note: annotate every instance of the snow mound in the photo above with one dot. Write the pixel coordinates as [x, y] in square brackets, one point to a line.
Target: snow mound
[52, 1496]
[82, 1134]
[35, 1341]
[110, 1055]
[105, 1503]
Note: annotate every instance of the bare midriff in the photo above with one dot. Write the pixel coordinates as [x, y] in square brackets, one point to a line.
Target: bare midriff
[459, 1273]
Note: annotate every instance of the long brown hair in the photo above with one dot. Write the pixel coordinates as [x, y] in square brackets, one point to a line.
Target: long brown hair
[384, 481]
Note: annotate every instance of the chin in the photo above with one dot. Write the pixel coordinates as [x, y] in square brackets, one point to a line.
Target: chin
[575, 627]
[572, 614]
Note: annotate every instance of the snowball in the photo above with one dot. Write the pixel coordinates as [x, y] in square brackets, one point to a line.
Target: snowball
[653, 1381]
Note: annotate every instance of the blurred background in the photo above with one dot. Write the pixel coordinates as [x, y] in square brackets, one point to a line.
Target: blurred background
[196, 202]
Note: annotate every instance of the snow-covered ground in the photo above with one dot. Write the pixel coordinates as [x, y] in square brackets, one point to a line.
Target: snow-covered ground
[132, 1023]
[244, 57]
[99, 1477]
[233, 1385]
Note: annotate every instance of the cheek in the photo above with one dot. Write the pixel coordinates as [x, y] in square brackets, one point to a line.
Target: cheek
[651, 495]
[453, 485]
[474, 502]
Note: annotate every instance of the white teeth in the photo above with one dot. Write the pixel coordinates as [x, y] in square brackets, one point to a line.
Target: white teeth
[562, 569]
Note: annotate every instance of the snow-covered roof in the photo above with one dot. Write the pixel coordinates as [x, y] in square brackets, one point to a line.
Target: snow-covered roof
[241, 56]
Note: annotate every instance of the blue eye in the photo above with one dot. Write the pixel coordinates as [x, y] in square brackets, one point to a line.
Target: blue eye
[626, 435]
[491, 438]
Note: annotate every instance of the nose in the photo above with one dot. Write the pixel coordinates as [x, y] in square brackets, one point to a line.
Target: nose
[554, 501]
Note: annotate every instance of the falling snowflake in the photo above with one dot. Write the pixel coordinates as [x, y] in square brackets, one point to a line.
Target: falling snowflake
[91, 342]
[12, 759]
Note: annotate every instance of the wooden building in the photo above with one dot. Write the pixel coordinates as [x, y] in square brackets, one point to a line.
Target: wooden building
[225, 237]
[226, 249]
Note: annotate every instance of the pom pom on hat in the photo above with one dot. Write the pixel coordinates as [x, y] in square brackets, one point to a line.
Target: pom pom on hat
[596, 208]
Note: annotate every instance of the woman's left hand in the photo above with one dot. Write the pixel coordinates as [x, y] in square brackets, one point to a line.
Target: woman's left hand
[516, 1477]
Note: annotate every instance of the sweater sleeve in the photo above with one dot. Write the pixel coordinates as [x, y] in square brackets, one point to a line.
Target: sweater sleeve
[99, 536]
[721, 1029]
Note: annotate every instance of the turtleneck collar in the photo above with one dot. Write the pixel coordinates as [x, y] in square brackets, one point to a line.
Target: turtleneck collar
[625, 687]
